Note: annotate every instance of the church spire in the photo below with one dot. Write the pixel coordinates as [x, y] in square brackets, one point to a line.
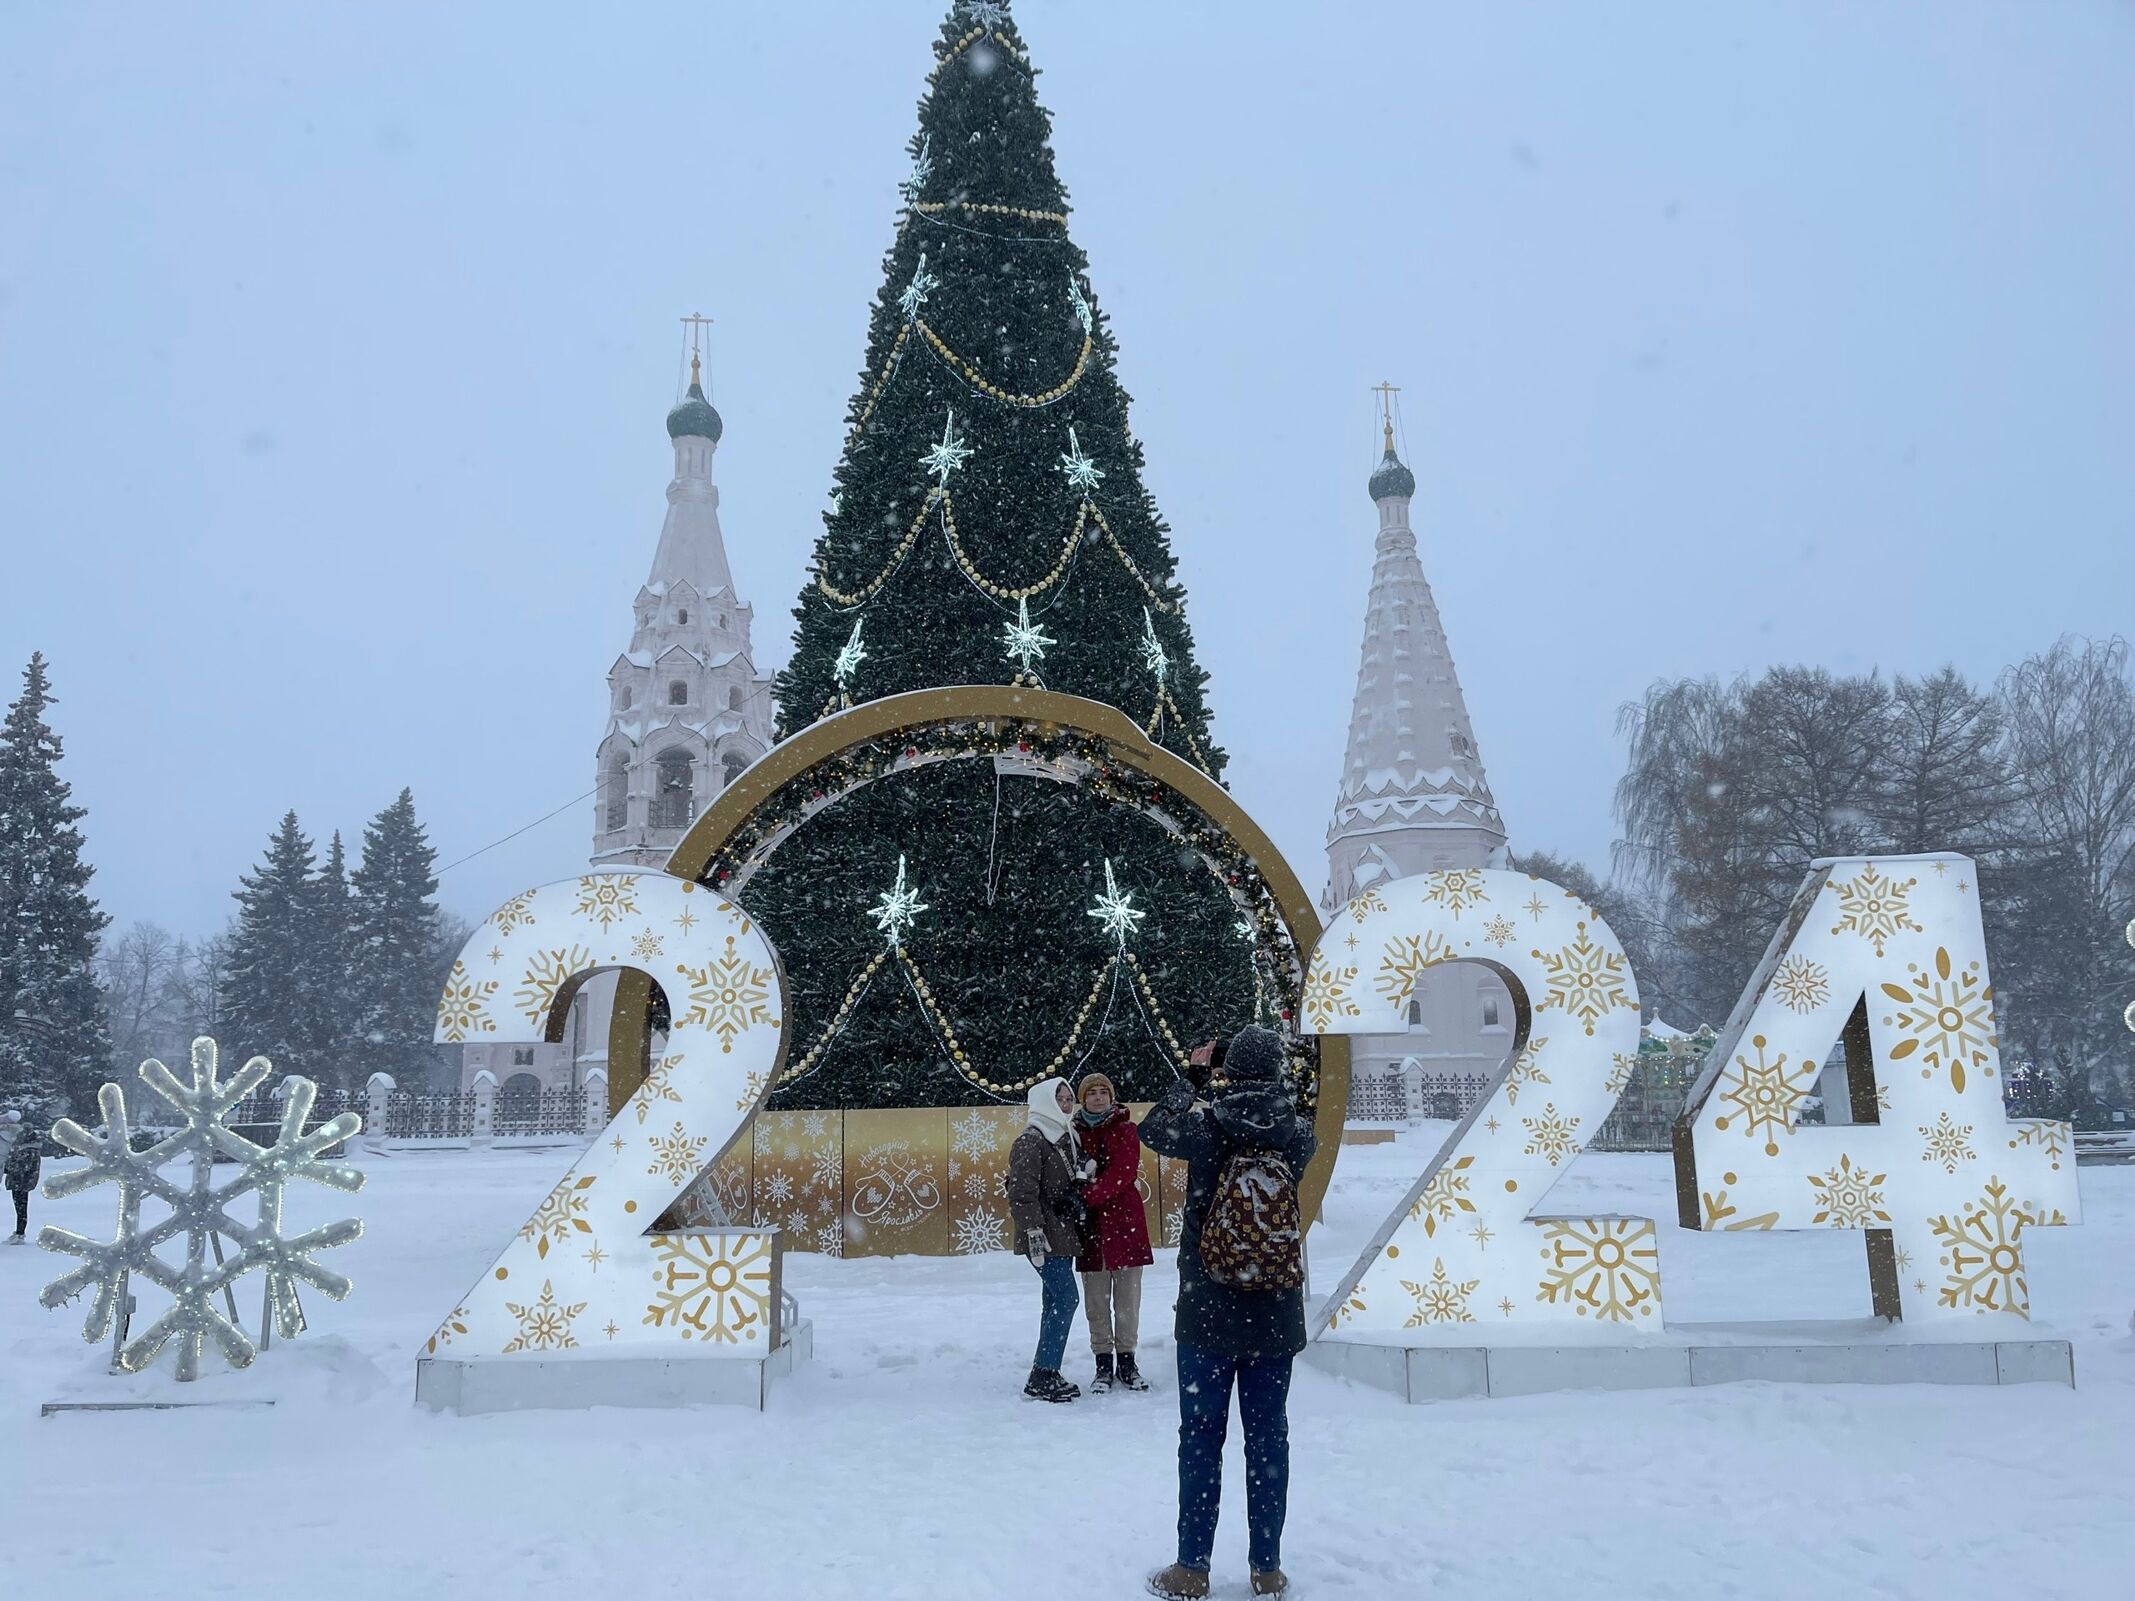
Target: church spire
[691, 548]
[1413, 795]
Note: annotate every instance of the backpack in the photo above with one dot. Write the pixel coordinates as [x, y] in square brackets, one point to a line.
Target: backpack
[1251, 1239]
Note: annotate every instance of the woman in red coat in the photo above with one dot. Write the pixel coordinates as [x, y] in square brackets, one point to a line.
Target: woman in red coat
[1117, 1247]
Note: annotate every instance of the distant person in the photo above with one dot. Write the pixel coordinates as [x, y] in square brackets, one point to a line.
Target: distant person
[1044, 1168]
[1241, 1312]
[1116, 1242]
[25, 1160]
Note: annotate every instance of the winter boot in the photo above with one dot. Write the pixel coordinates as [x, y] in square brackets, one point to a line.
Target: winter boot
[1130, 1376]
[1270, 1581]
[1045, 1384]
[1103, 1381]
[1179, 1583]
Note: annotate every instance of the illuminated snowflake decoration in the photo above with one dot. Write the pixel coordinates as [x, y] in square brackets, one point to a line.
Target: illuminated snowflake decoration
[946, 454]
[915, 293]
[1082, 473]
[1153, 656]
[850, 656]
[897, 908]
[1081, 304]
[1023, 639]
[1115, 908]
[987, 14]
[196, 1213]
[922, 169]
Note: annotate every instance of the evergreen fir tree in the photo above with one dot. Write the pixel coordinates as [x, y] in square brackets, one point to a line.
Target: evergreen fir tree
[329, 958]
[54, 1041]
[267, 996]
[990, 526]
[395, 932]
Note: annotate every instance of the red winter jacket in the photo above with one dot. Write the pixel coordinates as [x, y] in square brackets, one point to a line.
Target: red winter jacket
[1118, 1234]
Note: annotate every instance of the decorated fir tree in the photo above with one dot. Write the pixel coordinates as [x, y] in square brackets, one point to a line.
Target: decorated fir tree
[989, 526]
[54, 1044]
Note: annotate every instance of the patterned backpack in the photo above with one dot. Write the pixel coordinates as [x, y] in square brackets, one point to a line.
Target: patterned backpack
[1251, 1239]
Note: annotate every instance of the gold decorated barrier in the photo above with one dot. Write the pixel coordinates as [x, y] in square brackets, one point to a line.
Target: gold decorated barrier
[918, 1181]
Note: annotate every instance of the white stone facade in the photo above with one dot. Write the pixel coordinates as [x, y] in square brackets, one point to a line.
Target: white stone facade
[687, 712]
[1414, 799]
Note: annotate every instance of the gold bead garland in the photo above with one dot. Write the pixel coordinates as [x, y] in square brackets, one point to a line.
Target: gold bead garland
[889, 366]
[837, 1022]
[933, 208]
[867, 591]
[1002, 592]
[1120, 550]
[987, 387]
[942, 60]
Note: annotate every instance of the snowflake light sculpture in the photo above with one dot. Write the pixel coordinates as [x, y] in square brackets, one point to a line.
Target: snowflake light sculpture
[850, 656]
[922, 169]
[950, 453]
[1082, 472]
[1081, 305]
[1023, 639]
[1153, 656]
[1116, 911]
[897, 908]
[915, 293]
[197, 1212]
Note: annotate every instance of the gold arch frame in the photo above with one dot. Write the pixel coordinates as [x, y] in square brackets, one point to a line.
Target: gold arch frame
[980, 704]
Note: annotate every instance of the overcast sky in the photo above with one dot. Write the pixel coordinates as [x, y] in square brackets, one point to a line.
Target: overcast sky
[335, 343]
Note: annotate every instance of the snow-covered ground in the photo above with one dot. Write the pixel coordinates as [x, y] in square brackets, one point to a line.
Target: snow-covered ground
[903, 1463]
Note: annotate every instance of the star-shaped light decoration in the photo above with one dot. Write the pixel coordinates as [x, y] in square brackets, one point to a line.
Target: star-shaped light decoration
[1024, 639]
[897, 908]
[916, 292]
[922, 169]
[987, 14]
[1243, 928]
[1115, 909]
[1153, 656]
[1083, 473]
[946, 455]
[1082, 306]
[850, 656]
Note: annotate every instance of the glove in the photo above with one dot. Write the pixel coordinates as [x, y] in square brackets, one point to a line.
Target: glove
[1034, 1248]
[1089, 1169]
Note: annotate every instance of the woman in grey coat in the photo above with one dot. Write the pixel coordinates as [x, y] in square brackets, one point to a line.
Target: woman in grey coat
[1044, 1168]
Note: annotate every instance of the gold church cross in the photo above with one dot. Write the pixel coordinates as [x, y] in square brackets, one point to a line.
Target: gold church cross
[696, 322]
[1386, 393]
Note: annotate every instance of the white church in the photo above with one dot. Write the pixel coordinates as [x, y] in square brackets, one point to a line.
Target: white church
[687, 711]
[1413, 799]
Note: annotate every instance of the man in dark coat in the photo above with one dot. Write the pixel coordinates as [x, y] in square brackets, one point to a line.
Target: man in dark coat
[1229, 1337]
[25, 1160]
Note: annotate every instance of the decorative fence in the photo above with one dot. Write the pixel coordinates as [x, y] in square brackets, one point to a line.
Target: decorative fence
[482, 1112]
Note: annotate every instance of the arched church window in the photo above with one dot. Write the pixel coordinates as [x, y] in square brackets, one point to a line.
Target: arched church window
[673, 800]
[731, 767]
[1490, 1012]
[734, 699]
[682, 616]
[617, 800]
[722, 619]
[626, 696]
[678, 693]
[1415, 1014]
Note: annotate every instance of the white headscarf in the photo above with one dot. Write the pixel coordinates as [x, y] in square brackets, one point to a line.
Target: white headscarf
[1045, 1114]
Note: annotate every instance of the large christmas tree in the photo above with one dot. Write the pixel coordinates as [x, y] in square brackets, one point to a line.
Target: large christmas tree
[990, 526]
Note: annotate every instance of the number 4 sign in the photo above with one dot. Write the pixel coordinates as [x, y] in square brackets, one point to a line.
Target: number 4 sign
[1883, 958]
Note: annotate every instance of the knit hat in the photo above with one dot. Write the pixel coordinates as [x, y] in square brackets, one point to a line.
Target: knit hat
[1089, 1081]
[1256, 1054]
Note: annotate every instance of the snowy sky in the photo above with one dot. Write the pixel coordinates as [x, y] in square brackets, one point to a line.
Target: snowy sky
[335, 342]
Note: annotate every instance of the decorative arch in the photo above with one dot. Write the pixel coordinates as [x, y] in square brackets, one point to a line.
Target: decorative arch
[673, 802]
[1049, 735]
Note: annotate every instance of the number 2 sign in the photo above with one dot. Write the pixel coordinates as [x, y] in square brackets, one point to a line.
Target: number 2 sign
[1883, 957]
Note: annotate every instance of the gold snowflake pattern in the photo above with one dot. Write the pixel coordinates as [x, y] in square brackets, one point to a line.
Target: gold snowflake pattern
[607, 898]
[1445, 1197]
[454, 1327]
[514, 913]
[728, 996]
[1499, 931]
[1326, 995]
[1982, 1250]
[559, 1215]
[1456, 891]
[1586, 981]
[545, 1325]
[1619, 1078]
[595, 1256]
[1801, 985]
[751, 1088]
[1552, 1135]
[1526, 1069]
[1948, 1143]
[1440, 1299]
[1609, 1267]
[1365, 904]
[545, 974]
[678, 1156]
[659, 1085]
[1874, 907]
[464, 1008]
[2048, 1136]
[1505, 1306]
[715, 1288]
[1348, 1310]
[1483, 1235]
[1721, 1213]
[1948, 1018]
[647, 945]
[1403, 963]
[1848, 1197]
[1765, 1093]
[1534, 906]
[685, 920]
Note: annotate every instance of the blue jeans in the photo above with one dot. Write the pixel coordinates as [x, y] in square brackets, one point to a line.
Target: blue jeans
[1058, 1313]
[1205, 1382]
